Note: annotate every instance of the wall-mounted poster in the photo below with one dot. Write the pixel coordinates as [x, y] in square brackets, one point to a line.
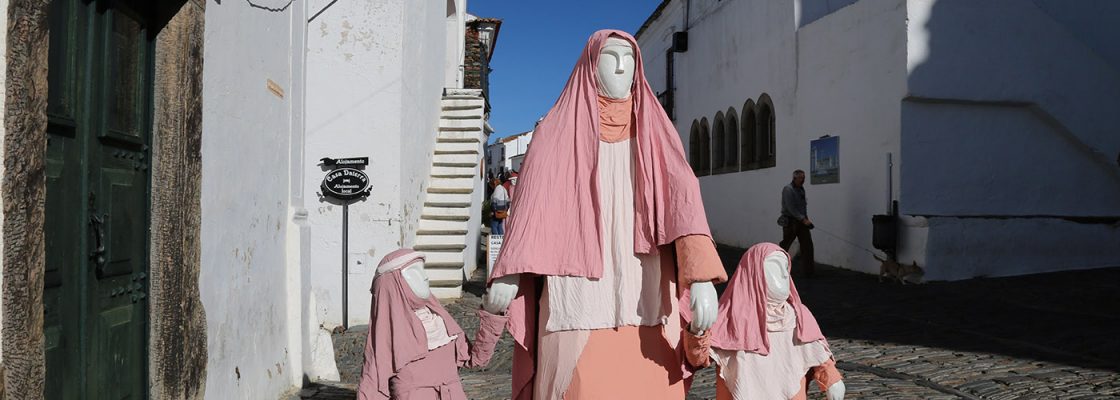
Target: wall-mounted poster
[824, 160]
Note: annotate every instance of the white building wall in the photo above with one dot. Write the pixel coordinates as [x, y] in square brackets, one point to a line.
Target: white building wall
[1024, 141]
[246, 131]
[841, 75]
[423, 70]
[516, 147]
[375, 78]
[851, 76]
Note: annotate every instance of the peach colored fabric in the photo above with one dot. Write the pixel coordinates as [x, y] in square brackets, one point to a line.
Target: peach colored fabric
[627, 363]
[824, 375]
[614, 119]
[697, 348]
[628, 292]
[699, 261]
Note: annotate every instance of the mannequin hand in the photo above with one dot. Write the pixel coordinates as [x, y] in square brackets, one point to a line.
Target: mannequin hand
[836, 391]
[704, 305]
[501, 293]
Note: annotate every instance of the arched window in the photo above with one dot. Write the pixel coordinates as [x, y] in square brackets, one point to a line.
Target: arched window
[749, 142]
[705, 165]
[694, 147]
[731, 143]
[718, 138]
[766, 127]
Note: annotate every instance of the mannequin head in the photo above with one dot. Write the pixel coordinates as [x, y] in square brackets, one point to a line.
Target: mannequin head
[776, 268]
[616, 68]
[417, 280]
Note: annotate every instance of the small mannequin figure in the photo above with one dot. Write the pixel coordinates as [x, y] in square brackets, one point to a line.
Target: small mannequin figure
[414, 347]
[765, 343]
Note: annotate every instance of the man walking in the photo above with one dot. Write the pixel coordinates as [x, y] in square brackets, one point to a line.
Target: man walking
[795, 221]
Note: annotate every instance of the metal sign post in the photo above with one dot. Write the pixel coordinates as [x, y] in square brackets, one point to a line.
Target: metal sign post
[345, 182]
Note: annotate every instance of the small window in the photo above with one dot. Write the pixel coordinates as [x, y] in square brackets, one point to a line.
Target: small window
[719, 145]
[731, 142]
[766, 128]
[705, 165]
[749, 142]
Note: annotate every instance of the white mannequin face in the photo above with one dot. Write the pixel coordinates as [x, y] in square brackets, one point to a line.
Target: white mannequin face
[417, 280]
[776, 267]
[616, 68]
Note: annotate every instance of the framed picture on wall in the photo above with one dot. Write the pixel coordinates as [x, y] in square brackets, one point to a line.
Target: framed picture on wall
[824, 160]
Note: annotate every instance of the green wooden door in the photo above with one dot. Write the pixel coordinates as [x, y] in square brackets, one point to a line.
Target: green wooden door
[99, 109]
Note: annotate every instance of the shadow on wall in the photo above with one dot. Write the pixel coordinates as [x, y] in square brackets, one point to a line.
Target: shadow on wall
[1067, 318]
[1008, 137]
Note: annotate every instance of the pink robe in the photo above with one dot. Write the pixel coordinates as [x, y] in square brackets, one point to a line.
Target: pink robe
[554, 228]
[765, 348]
[398, 361]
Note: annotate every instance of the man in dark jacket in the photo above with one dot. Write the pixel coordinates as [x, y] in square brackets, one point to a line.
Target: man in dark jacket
[796, 223]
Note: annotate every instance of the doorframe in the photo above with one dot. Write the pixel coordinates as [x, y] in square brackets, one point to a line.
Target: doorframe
[177, 352]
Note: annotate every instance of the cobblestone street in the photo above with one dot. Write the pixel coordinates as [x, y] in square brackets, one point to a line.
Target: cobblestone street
[1039, 336]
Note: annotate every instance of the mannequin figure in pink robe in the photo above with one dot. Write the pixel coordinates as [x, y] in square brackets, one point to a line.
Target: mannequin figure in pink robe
[607, 237]
[765, 342]
[414, 347]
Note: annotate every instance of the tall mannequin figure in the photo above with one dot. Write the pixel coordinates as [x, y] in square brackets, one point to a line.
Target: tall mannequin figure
[765, 342]
[413, 346]
[607, 222]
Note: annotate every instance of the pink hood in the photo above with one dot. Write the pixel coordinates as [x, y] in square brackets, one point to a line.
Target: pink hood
[741, 322]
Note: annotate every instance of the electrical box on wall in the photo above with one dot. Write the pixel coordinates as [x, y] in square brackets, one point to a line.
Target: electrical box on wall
[680, 42]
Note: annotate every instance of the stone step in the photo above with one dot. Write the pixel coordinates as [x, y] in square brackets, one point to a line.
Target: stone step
[448, 124]
[462, 117]
[443, 277]
[451, 185]
[461, 129]
[459, 136]
[452, 112]
[452, 92]
[443, 259]
[455, 160]
[462, 102]
[447, 292]
[457, 148]
[448, 200]
[454, 172]
[440, 242]
[438, 227]
[446, 213]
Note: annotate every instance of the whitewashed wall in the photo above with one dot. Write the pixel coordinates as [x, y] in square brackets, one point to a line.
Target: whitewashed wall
[1010, 135]
[997, 116]
[246, 136]
[842, 74]
[516, 147]
[374, 76]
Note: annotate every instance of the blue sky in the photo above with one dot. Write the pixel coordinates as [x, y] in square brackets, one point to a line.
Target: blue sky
[538, 45]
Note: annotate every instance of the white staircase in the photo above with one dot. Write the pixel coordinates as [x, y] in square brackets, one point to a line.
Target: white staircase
[453, 205]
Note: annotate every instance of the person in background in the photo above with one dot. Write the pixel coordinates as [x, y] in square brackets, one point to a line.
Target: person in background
[510, 184]
[795, 222]
[499, 206]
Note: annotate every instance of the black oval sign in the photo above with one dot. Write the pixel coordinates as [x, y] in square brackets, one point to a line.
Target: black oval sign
[346, 184]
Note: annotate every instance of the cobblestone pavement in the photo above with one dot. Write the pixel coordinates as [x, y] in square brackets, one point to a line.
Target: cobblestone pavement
[1034, 337]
